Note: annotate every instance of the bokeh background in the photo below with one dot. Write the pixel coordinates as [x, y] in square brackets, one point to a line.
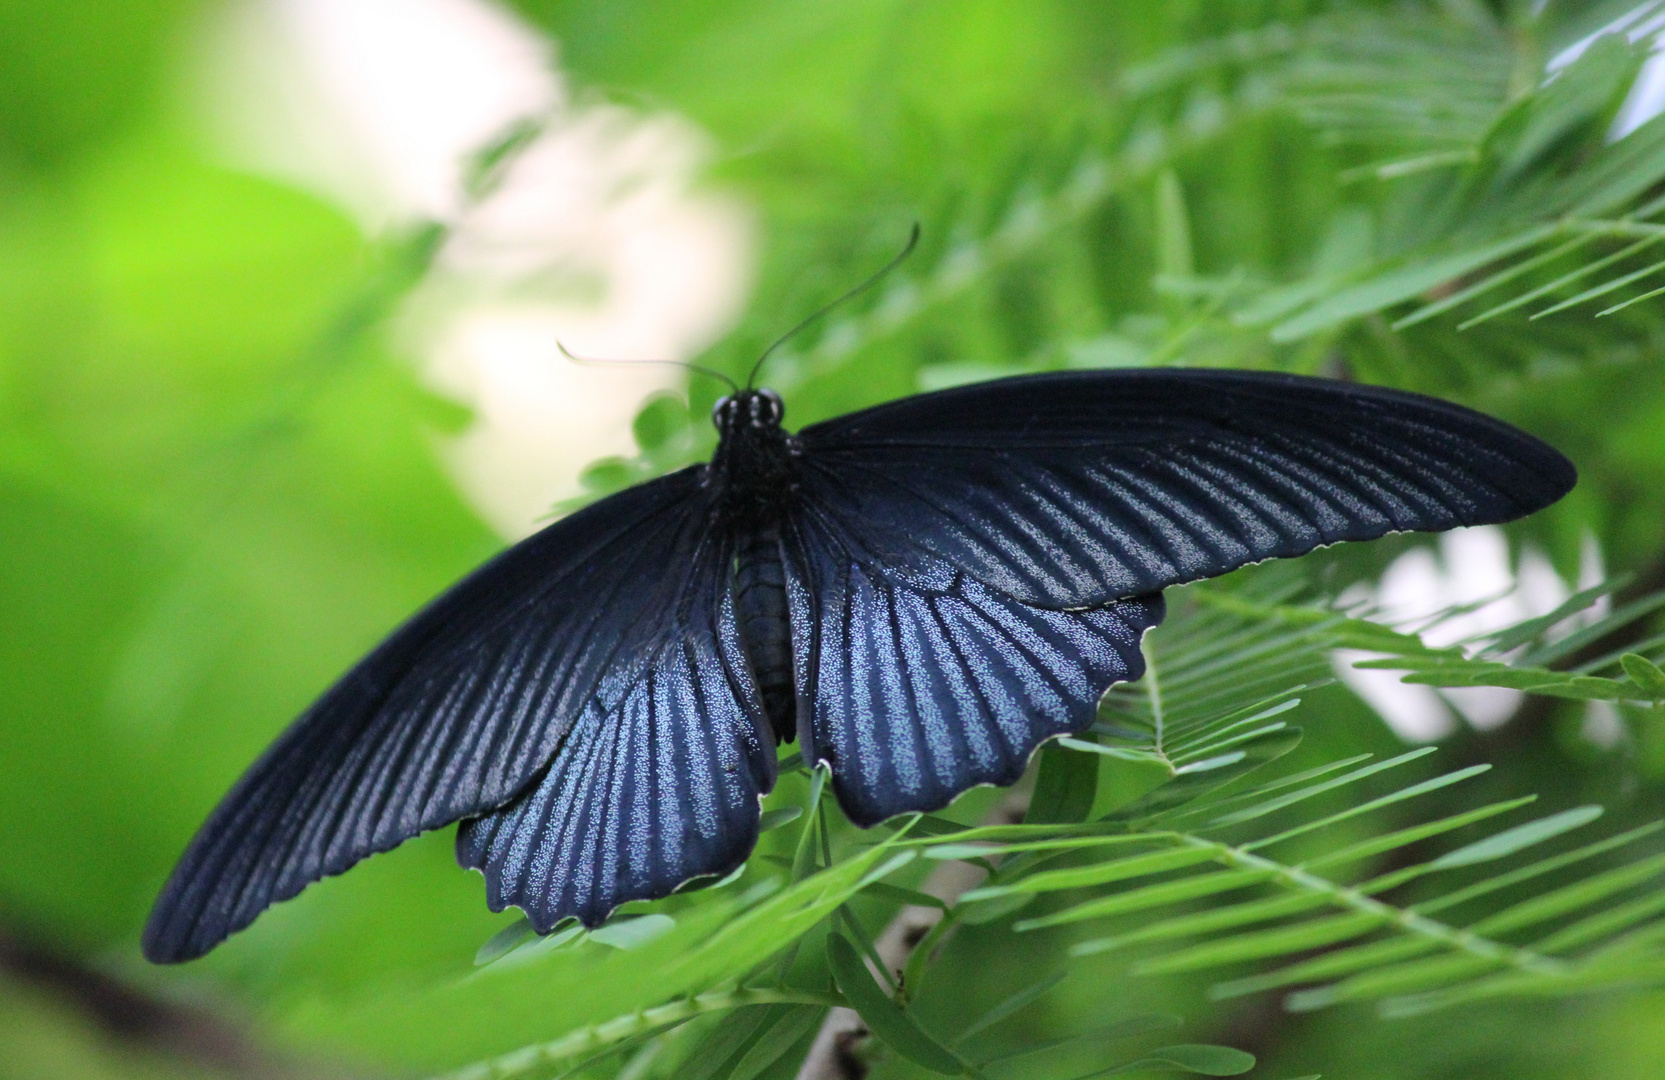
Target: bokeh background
[281, 287]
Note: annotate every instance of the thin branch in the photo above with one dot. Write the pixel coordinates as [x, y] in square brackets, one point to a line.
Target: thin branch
[141, 1021]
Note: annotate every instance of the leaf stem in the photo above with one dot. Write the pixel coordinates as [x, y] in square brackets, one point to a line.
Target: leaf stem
[1354, 898]
[596, 1036]
[1153, 691]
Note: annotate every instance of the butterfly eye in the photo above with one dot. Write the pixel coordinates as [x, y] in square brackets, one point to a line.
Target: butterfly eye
[721, 411]
[773, 408]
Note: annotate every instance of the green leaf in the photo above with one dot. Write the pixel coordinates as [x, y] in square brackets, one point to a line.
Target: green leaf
[1366, 848]
[1583, 688]
[1645, 674]
[531, 946]
[1173, 228]
[1220, 729]
[1200, 1058]
[1621, 615]
[882, 1015]
[896, 894]
[1486, 284]
[1329, 966]
[1064, 787]
[732, 1034]
[633, 933]
[981, 912]
[1124, 753]
[1190, 786]
[1156, 862]
[803, 859]
[661, 419]
[774, 819]
[1033, 838]
[1402, 283]
[1604, 924]
[1168, 892]
[777, 922]
[1260, 791]
[1537, 869]
[1570, 898]
[1011, 1006]
[1411, 977]
[1372, 805]
[1528, 629]
[1518, 838]
[1620, 172]
[1122, 1029]
[1284, 801]
[1614, 309]
[505, 940]
[1610, 285]
[1312, 934]
[1207, 922]
[773, 1043]
[582, 1064]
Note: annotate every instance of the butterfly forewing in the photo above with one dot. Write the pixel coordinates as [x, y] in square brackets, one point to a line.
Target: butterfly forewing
[454, 714]
[1082, 487]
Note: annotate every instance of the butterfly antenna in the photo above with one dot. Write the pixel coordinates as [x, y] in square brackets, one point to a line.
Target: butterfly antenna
[896, 260]
[598, 361]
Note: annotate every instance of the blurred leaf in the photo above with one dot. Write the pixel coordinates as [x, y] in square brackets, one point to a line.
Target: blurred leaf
[1064, 787]
[882, 1015]
[633, 933]
[1199, 1058]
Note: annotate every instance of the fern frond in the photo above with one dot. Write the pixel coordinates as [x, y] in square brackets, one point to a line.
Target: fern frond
[1413, 80]
[1196, 868]
[1492, 180]
[1031, 222]
[1394, 952]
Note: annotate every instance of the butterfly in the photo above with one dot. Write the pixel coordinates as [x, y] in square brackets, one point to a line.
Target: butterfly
[920, 594]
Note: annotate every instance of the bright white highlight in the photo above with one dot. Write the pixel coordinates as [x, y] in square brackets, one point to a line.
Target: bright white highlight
[1469, 569]
[374, 104]
[1647, 94]
[594, 235]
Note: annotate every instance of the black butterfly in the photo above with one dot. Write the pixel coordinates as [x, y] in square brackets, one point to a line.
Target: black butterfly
[920, 593]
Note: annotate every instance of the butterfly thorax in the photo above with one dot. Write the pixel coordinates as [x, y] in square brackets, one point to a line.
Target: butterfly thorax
[753, 469]
[756, 480]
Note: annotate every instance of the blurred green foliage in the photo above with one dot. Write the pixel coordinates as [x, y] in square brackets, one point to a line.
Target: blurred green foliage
[218, 484]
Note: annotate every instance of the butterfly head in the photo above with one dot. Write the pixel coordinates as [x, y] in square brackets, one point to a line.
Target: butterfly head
[753, 465]
[748, 410]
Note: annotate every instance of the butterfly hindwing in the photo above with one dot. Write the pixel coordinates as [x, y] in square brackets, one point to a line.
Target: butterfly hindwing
[454, 714]
[1076, 488]
[917, 686]
[656, 784]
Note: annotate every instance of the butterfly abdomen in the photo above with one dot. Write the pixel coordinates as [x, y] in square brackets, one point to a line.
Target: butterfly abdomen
[760, 604]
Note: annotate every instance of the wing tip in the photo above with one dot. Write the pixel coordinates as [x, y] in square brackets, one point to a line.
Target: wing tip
[1560, 476]
[167, 939]
[1542, 476]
